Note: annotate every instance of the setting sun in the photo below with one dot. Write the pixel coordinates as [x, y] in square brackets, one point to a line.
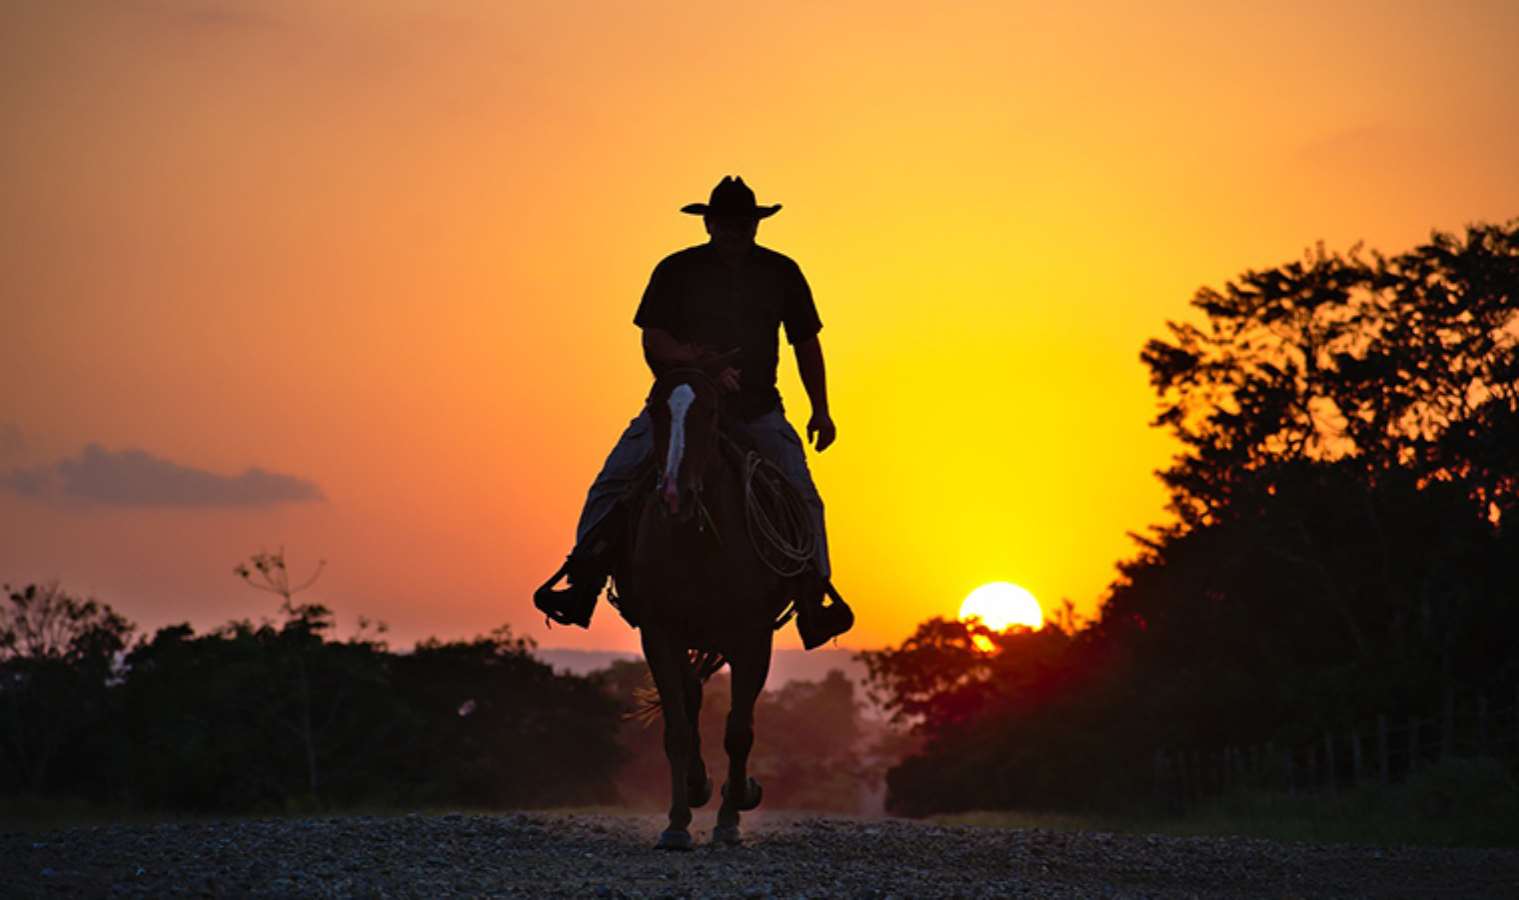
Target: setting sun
[1001, 604]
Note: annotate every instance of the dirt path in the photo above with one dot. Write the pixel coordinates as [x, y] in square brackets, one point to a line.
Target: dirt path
[540, 855]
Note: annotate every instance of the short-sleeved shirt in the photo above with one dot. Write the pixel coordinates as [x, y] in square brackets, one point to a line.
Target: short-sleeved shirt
[698, 298]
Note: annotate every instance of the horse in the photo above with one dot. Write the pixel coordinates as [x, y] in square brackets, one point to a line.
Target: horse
[704, 596]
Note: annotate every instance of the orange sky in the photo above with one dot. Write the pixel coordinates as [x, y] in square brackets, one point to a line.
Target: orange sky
[392, 250]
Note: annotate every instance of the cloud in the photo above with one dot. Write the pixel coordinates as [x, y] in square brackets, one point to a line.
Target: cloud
[137, 478]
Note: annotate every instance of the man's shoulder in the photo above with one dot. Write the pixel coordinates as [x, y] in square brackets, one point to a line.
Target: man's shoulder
[775, 258]
[685, 257]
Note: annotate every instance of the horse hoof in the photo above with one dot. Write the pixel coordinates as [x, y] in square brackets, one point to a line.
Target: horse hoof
[671, 839]
[752, 796]
[727, 836]
[698, 798]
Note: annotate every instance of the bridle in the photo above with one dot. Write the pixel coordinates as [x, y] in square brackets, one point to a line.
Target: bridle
[779, 525]
[685, 375]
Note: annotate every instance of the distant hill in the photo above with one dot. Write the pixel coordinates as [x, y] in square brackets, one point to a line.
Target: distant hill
[787, 665]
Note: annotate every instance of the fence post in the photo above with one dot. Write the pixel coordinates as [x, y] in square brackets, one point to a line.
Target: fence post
[1382, 747]
[1287, 771]
[1355, 756]
[1413, 744]
[1481, 724]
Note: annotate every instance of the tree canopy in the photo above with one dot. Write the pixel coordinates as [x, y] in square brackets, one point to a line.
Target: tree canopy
[280, 715]
[1341, 545]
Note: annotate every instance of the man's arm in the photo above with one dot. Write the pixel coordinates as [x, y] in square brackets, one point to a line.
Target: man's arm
[663, 352]
[809, 362]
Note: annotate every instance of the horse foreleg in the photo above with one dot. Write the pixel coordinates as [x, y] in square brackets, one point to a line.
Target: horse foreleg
[698, 785]
[668, 666]
[741, 793]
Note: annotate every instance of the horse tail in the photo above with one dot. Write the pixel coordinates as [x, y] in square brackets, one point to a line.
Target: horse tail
[700, 664]
[646, 705]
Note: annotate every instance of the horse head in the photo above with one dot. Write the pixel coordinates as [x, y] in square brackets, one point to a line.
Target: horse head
[684, 407]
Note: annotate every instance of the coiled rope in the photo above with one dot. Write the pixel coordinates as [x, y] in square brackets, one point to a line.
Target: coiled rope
[780, 527]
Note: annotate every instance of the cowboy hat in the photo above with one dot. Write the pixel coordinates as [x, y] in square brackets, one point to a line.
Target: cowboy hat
[731, 197]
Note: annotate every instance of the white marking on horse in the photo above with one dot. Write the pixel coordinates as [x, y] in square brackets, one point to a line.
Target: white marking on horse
[680, 403]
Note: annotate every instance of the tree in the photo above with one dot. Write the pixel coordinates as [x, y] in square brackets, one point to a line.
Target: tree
[1343, 541]
[498, 727]
[303, 631]
[1408, 363]
[1326, 401]
[58, 656]
[811, 757]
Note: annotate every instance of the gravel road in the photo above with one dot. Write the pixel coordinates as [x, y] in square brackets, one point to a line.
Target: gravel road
[604, 855]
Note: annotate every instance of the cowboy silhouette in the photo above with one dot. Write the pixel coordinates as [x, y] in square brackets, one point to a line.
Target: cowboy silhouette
[720, 306]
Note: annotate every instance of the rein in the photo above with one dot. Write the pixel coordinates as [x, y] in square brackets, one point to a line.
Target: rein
[698, 373]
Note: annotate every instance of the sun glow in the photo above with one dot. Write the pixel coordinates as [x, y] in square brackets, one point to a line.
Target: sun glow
[1000, 605]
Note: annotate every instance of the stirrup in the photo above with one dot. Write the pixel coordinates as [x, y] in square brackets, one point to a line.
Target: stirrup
[818, 623]
[572, 605]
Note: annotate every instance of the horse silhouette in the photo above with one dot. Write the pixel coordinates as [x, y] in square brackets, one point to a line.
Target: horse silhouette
[704, 597]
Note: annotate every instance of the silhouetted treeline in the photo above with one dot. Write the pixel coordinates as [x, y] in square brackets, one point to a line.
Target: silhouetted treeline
[1344, 542]
[281, 716]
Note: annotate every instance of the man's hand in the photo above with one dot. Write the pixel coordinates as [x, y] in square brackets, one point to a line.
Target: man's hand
[809, 363]
[662, 350]
[820, 431]
[728, 380]
[710, 360]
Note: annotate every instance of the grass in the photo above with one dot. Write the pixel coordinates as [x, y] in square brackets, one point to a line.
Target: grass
[1458, 803]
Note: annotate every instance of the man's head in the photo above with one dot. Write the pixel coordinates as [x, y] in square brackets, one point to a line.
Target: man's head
[731, 231]
[731, 215]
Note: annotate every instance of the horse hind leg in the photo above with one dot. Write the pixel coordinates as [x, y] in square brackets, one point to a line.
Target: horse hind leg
[668, 666]
[741, 793]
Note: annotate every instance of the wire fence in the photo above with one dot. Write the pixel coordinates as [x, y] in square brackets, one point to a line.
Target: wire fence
[1383, 750]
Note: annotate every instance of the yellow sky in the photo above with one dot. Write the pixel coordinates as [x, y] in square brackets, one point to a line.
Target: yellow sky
[393, 249]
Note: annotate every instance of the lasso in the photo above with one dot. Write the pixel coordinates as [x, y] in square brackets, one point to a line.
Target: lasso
[780, 527]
